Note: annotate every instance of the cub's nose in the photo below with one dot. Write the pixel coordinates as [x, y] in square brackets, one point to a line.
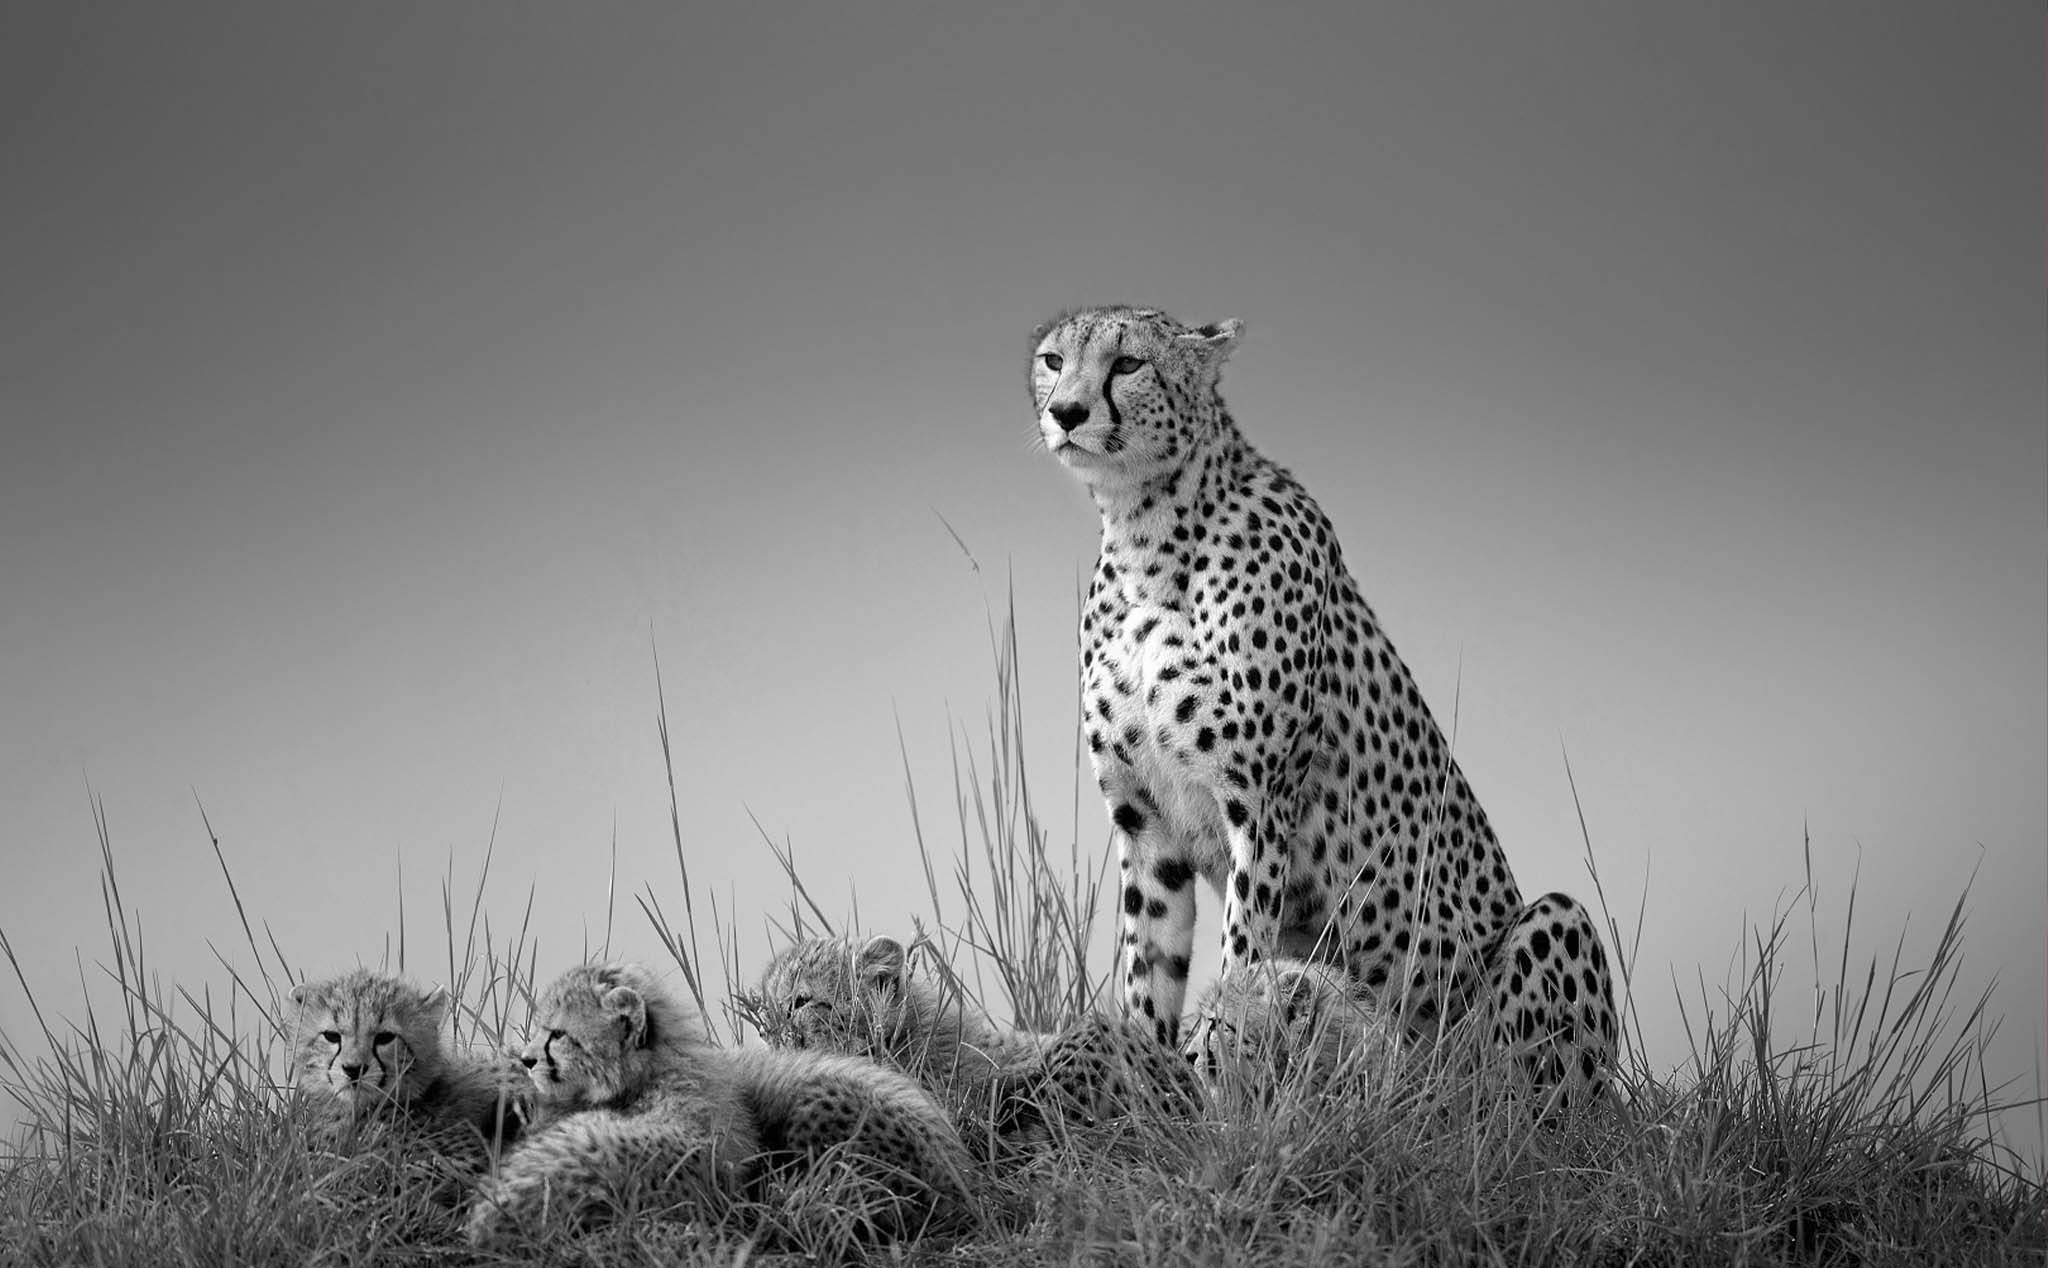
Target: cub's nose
[1070, 415]
[351, 1071]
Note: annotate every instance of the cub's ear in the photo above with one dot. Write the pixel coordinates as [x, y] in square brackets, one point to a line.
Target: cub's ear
[880, 963]
[1295, 989]
[306, 995]
[1213, 342]
[624, 1003]
[435, 1004]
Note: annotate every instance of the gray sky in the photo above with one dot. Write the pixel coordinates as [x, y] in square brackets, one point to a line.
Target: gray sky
[378, 380]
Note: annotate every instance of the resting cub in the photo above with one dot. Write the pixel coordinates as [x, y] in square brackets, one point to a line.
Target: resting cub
[832, 995]
[644, 1107]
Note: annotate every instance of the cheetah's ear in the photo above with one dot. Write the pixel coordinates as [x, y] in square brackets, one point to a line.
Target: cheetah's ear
[307, 995]
[624, 1003]
[1213, 342]
[880, 963]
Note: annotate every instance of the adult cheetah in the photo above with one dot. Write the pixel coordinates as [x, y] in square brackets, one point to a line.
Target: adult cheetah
[1250, 724]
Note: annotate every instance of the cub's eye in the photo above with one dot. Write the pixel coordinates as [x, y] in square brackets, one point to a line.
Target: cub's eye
[1124, 365]
[553, 1035]
[383, 1037]
[332, 1036]
[1052, 360]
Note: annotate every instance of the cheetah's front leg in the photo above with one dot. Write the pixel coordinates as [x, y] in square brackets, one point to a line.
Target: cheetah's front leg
[1158, 922]
[1259, 860]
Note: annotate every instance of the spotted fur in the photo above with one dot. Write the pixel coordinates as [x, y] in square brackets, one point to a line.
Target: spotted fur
[1250, 723]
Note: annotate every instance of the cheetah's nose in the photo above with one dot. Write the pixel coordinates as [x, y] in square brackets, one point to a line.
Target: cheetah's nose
[1070, 415]
[354, 1072]
[528, 1062]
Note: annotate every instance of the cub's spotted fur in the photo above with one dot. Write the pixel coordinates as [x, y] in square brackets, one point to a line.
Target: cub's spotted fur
[647, 1110]
[1250, 724]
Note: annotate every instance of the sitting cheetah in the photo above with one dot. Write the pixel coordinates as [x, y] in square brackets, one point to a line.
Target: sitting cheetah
[1250, 724]
[1287, 1019]
[829, 994]
[369, 1049]
[643, 1103]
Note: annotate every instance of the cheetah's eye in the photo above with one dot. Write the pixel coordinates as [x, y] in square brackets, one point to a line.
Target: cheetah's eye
[1052, 360]
[554, 1035]
[332, 1036]
[1124, 365]
[383, 1037]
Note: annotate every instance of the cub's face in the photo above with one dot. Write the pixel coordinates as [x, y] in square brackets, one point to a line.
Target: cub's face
[365, 1038]
[833, 996]
[574, 1052]
[1260, 1020]
[590, 1035]
[1117, 391]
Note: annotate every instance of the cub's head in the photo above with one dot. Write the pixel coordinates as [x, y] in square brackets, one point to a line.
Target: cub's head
[601, 1033]
[1125, 394]
[1265, 1021]
[835, 995]
[367, 1037]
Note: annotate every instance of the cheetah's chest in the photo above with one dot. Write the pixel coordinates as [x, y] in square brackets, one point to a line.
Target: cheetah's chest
[1157, 688]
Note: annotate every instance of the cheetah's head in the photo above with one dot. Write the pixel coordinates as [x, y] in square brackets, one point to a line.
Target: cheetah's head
[835, 995]
[1275, 1019]
[601, 1031]
[366, 1037]
[1125, 394]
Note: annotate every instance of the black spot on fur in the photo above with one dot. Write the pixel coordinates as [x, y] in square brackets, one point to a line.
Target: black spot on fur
[1173, 875]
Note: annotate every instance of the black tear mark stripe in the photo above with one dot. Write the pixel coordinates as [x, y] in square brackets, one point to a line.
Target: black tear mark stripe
[1116, 420]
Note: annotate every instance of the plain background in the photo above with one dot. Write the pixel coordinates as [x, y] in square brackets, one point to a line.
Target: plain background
[382, 385]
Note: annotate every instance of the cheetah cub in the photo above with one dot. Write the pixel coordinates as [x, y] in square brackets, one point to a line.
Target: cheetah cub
[643, 1106]
[1250, 724]
[832, 995]
[368, 1049]
[1287, 1019]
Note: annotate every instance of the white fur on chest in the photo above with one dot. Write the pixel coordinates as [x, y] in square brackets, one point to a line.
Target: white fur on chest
[1180, 782]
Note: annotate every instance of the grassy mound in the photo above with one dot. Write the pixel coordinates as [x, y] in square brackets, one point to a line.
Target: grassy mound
[157, 1134]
